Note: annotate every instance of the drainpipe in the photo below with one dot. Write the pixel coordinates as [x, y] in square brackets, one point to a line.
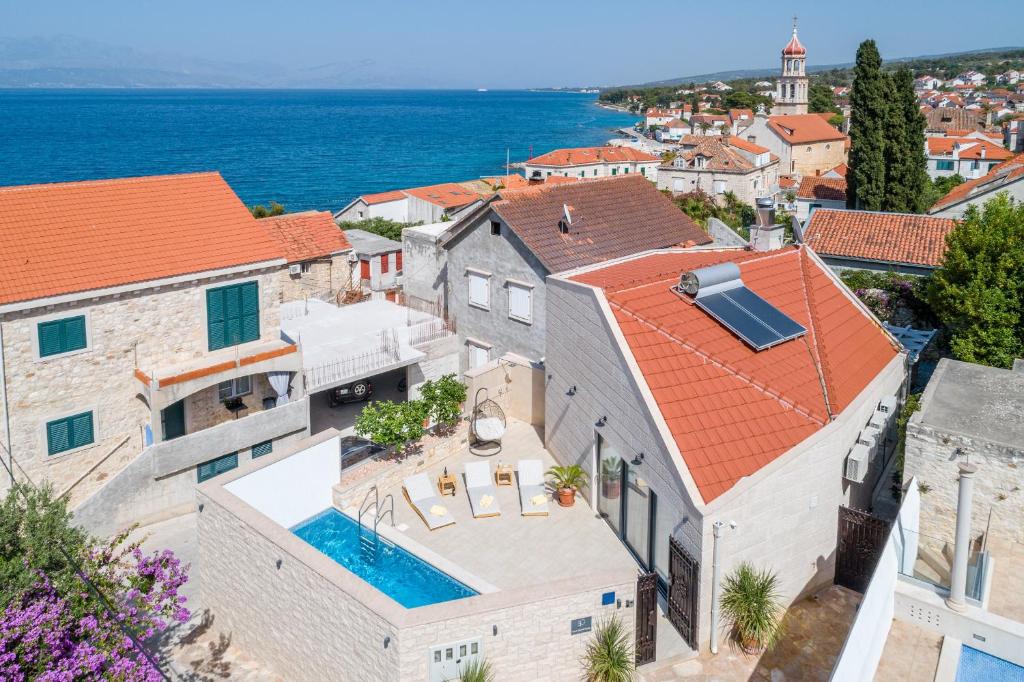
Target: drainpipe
[962, 549]
[715, 576]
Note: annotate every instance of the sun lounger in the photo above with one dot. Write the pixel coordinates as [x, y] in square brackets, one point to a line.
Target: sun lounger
[533, 494]
[483, 495]
[423, 497]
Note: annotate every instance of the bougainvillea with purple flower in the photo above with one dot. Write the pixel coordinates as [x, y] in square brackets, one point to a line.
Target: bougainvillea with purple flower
[54, 625]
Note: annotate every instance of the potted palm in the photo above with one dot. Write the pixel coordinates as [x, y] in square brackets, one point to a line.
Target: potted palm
[609, 657]
[566, 481]
[751, 600]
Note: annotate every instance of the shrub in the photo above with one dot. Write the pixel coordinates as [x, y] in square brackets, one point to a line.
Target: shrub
[750, 599]
[443, 399]
[392, 424]
[609, 657]
[477, 671]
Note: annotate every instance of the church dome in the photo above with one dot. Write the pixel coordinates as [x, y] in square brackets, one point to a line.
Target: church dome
[794, 48]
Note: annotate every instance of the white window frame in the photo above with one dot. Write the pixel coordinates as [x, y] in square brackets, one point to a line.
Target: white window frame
[473, 345]
[235, 386]
[485, 277]
[72, 312]
[528, 290]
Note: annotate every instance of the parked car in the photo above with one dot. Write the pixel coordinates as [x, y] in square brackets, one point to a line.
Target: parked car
[355, 392]
[355, 449]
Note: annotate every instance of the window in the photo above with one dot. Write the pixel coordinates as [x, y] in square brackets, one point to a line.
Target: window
[232, 314]
[398, 261]
[827, 147]
[719, 186]
[305, 268]
[234, 388]
[364, 269]
[496, 228]
[944, 165]
[975, 165]
[808, 150]
[626, 170]
[480, 290]
[215, 467]
[478, 355]
[583, 173]
[69, 433]
[62, 336]
[643, 172]
[520, 302]
[595, 172]
[384, 263]
[264, 448]
[615, 171]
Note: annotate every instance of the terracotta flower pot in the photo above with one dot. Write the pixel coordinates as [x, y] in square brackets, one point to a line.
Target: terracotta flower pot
[566, 497]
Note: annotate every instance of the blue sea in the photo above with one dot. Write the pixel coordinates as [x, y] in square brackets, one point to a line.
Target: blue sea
[305, 149]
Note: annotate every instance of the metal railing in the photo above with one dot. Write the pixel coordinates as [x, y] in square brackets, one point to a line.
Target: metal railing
[385, 352]
[431, 330]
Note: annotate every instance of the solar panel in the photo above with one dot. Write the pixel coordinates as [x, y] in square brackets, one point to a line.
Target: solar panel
[756, 321]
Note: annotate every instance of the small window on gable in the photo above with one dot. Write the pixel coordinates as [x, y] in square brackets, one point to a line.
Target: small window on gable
[496, 228]
[563, 227]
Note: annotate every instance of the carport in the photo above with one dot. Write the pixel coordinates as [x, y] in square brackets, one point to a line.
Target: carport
[342, 417]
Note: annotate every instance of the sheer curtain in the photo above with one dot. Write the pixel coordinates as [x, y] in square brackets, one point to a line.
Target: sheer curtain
[279, 382]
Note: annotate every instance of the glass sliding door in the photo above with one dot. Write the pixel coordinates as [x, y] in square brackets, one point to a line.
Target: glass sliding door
[638, 515]
[627, 503]
[609, 494]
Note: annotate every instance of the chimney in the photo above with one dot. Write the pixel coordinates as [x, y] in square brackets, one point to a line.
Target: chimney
[983, 150]
[725, 137]
[765, 233]
[765, 212]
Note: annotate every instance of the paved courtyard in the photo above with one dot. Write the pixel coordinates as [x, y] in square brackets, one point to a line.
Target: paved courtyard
[1007, 598]
[911, 654]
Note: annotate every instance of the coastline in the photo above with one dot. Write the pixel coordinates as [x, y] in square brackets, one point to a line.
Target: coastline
[615, 107]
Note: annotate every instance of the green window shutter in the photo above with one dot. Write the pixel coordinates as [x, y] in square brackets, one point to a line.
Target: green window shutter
[74, 333]
[233, 314]
[58, 436]
[50, 338]
[214, 467]
[215, 318]
[62, 336]
[81, 430]
[264, 448]
[250, 294]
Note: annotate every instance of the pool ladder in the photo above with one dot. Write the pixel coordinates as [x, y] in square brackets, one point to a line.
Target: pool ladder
[368, 541]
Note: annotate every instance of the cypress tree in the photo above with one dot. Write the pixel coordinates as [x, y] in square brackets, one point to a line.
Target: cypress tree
[895, 197]
[866, 177]
[915, 173]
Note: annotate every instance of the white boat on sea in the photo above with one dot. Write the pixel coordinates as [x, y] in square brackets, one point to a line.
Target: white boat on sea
[481, 89]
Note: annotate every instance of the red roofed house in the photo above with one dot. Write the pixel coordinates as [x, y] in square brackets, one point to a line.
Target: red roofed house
[430, 204]
[1006, 177]
[908, 243]
[686, 430]
[818, 191]
[968, 157]
[317, 251]
[141, 346]
[716, 165]
[592, 162]
[805, 143]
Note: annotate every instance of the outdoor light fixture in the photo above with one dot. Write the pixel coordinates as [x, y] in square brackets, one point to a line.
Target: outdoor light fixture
[494, 629]
[638, 459]
[279, 562]
[572, 390]
[602, 421]
[387, 640]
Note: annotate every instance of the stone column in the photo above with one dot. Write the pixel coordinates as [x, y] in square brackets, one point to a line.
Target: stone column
[962, 548]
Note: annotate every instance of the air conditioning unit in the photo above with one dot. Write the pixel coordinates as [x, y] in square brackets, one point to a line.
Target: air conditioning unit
[887, 405]
[878, 420]
[857, 463]
[295, 269]
[872, 439]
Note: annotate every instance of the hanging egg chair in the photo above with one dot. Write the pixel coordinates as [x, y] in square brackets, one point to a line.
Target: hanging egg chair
[487, 425]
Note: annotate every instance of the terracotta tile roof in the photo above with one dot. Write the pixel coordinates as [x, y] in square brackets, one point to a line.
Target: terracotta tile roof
[611, 218]
[818, 187]
[510, 181]
[383, 197]
[890, 237]
[746, 145]
[953, 118]
[803, 128]
[787, 182]
[732, 410]
[839, 170]
[307, 235]
[740, 114]
[586, 155]
[997, 179]
[70, 237]
[445, 195]
[717, 156]
[970, 148]
[559, 180]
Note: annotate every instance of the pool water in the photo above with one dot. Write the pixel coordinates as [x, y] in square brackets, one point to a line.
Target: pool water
[977, 666]
[401, 575]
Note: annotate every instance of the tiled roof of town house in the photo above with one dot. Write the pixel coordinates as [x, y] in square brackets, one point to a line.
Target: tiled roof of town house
[611, 218]
[839, 170]
[718, 156]
[787, 182]
[746, 145]
[954, 118]
[383, 197]
[888, 237]
[307, 235]
[739, 114]
[586, 155]
[970, 148]
[445, 195]
[818, 187]
[803, 128]
[732, 410]
[1006, 172]
[71, 237]
[556, 180]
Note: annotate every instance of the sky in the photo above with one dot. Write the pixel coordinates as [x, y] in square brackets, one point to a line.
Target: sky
[527, 43]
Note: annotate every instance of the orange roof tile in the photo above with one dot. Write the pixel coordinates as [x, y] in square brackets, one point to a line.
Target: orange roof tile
[970, 148]
[839, 170]
[818, 187]
[70, 237]
[587, 155]
[1008, 171]
[383, 197]
[787, 182]
[732, 410]
[307, 235]
[746, 145]
[889, 237]
[803, 128]
[445, 195]
[559, 180]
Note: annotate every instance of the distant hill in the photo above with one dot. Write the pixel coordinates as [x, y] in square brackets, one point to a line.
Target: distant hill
[72, 62]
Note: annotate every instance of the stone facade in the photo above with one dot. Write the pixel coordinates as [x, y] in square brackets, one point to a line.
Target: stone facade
[809, 158]
[746, 185]
[325, 276]
[424, 265]
[153, 329]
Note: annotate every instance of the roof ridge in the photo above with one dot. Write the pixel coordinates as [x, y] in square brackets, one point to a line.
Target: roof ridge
[815, 351]
[857, 211]
[107, 181]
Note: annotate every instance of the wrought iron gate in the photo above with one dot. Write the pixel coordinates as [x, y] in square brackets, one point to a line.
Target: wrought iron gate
[646, 618]
[683, 591]
[861, 539]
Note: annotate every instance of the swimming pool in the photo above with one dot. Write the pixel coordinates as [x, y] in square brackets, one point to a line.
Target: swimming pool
[977, 666]
[401, 575]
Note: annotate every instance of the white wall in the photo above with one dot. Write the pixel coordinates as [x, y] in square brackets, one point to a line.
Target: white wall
[295, 488]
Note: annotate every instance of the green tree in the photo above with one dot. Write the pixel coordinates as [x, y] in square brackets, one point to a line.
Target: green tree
[907, 182]
[443, 399]
[940, 187]
[979, 291]
[261, 211]
[820, 99]
[896, 196]
[389, 229]
[392, 424]
[865, 181]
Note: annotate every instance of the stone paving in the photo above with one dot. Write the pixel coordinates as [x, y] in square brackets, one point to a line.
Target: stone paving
[816, 628]
[910, 654]
[1007, 597]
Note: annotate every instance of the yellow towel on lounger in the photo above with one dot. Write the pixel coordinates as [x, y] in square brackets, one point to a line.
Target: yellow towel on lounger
[486, 501]
[538, 500]
[438, 510]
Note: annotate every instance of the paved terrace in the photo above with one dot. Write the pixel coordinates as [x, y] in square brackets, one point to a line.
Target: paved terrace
[512, 550]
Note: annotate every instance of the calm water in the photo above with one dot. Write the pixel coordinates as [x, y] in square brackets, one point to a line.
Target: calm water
[402, 576]
[306, 149]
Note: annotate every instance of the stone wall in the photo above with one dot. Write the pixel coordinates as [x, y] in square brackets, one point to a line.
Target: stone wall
[740, 184]
[424, 267]
[514, 383]
[931, 455]
[326, 275]
[151, 328]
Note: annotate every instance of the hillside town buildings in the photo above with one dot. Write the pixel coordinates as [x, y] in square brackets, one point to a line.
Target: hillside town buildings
[720, 165]
[592, 162]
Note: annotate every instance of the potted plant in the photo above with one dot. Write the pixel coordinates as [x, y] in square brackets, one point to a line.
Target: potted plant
[611, 480]
[609, 657]
[566, 481]
[750, 599]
